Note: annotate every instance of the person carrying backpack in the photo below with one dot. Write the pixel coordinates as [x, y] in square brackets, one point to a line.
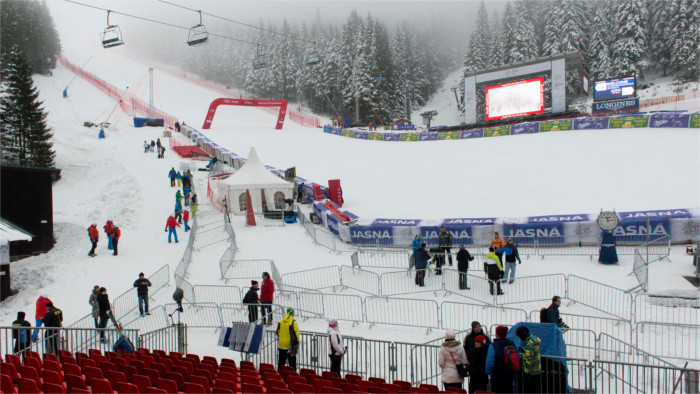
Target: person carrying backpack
[502, 362]
[532, 361]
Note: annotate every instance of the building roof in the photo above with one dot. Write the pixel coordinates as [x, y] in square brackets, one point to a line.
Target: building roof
[12, 232]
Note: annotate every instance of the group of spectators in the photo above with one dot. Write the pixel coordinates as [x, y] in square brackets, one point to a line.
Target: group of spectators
[497, 366]
[181, 215]
[442, 254]
[47, 315]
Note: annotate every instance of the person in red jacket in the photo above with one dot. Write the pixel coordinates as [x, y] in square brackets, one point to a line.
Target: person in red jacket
[41, 311]
[94, 236]
[108, 230]
[186, 218]
[115, 234]
[170, 225]
[267, 291]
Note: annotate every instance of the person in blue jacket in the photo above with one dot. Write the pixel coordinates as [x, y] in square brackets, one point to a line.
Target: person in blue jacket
[417, 242]
[178, 212]
[511, 253]
[502, 381]
[172, 175]
[186, 189]
[422, 257]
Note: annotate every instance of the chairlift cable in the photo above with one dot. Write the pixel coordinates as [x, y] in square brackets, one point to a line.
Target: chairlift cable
[237, 22]
[157, 21]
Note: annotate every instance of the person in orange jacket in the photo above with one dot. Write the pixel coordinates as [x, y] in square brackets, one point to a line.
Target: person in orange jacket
[94, 237]
[170, 225]
[498, 243]
[115, 234]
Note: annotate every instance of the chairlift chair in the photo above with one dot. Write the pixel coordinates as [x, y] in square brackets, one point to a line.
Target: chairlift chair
[312, 57]
[198, 33]
[260, 60]
[112, 36]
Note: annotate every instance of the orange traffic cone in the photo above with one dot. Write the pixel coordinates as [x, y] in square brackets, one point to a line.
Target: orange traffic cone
[249, 204]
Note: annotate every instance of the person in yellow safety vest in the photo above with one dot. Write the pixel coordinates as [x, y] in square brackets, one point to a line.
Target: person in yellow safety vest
[494, 270]
[288, 335]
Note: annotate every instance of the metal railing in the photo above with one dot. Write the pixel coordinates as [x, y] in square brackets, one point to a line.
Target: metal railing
[640, 269]
[666, 309]
[53, 339]
[127, 302]
[172, 338]
[616, 302]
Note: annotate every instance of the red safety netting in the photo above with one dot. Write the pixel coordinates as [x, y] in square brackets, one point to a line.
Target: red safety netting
[295, 115]
[130, 105]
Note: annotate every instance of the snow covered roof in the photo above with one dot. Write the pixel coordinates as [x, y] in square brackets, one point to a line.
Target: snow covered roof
[254, 174]
[12, 232]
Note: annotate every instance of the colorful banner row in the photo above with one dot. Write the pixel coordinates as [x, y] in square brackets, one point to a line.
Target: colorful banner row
[655, 119]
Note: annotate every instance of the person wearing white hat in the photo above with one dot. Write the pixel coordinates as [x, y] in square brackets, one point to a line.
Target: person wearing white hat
[451, 355]
[336, 350]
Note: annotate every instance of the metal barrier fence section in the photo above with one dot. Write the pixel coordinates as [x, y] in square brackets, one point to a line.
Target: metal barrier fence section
[618, 328]
[168, 339]
[318, 278]
[51, 340]
[479, 287]
[402, 311]
[360, 280]
[187, 289]
[381, 258]
[533, 288]
[458, 316]
[640, 269]
[218, 294]
[344, 307]
[604, 298]
[675, 341]
[666, 309]
[127, 302]
[654, 246]
[610, 348]
[201, 314]
[404, 282]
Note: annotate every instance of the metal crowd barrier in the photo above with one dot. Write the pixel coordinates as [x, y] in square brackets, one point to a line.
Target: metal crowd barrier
[402, 311]
[168, 339]
[458, 316]
[219, 294]
[666, 309]
[602, 297]
[53, 339]
[640, 269]
[360, 280]
[127, 302]
[669, 340]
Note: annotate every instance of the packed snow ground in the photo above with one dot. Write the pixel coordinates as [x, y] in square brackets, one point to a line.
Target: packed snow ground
[511, 176]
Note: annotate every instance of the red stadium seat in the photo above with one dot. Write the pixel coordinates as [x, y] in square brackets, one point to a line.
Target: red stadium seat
[377, 390]
[306, 371]
[6, 385]
[350, 388]
[153, 390]
[142, 382]
[34, 363]
[14, 360]
[27, 386]
[286, 369]
[170, 386]
[116, 377]
[50, 356]
[364, 385]
[456, 390]
[138, 364]
[225, 391]
[224, 384]
[431, 387]
[377, 381]
[159, 352]
[392, 388]
[274, 385]
[50, 365]
[10, 370]
[206, 358]
[160, 368]
[201, 381]
[72, 369]
[404, 384]
[101, 386]
[329, 375]
[321, 384]
[53, 377]
[419, 390]
[75, 382]
[127, 388]
[292, 381]
[228, 361]
[68, 360]
[352, 377]
[267, 367]
[194, 388]
[106, 366]
[87, 362]
[332, 391]
[177, 378]
[251, 388]
[80, 391]
[282, 391]
[52, 388]
[338, 382]
[62, 354]
[303, 388]
[30, 373]
[92, 373]
[128, 371]
[94, 352]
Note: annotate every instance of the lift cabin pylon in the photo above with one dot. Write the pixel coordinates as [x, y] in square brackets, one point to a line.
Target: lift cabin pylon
[112, 36]
[198, 33]
[260, 60]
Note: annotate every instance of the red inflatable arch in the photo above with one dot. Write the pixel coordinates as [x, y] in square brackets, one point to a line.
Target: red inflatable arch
[251, 103]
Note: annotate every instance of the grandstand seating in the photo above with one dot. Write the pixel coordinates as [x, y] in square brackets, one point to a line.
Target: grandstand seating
[155, 371]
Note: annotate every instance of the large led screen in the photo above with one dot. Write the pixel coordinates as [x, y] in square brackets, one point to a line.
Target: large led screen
[614, 89]
[515, 99]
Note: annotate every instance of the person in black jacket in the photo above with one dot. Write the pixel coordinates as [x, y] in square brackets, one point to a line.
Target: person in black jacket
[421, 257]
[469, 346]
[22, 337]
[142, 284]
[553, 314]
[103, 303]
[463, 259]
[252, 300]
[52, 318]
[478, 379]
